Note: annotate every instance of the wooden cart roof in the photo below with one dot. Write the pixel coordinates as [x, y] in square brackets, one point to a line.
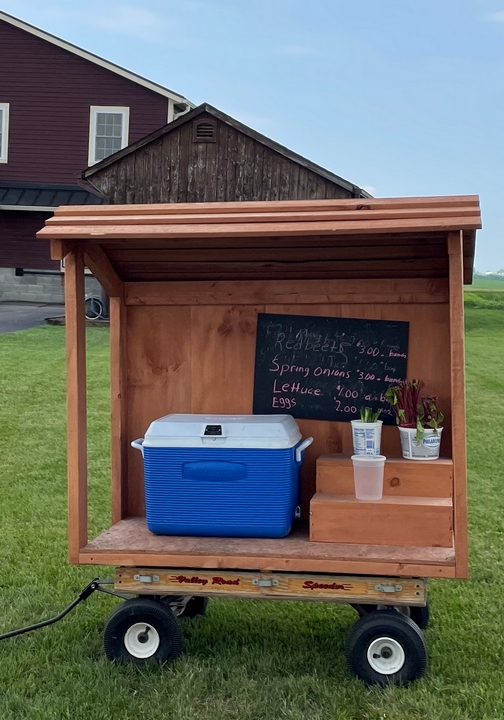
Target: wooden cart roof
[339, 239]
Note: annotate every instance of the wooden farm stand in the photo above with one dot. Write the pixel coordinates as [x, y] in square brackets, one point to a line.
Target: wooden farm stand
[186, 282]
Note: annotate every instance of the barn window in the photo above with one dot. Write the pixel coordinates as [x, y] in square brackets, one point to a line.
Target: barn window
[108, 131]
[204, 130]
[4, 131]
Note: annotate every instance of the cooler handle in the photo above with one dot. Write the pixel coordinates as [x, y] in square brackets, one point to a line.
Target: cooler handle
[306, 443]
[138, 444]
[214, 471]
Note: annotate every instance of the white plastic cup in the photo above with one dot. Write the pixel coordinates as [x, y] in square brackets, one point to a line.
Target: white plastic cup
[368, 476]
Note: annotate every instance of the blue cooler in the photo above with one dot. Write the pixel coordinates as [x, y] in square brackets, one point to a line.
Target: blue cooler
[222, 475]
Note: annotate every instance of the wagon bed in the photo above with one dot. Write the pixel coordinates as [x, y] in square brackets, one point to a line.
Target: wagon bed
[129, 542]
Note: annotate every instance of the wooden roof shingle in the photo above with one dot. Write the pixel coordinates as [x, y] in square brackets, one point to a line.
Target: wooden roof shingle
[338, 239]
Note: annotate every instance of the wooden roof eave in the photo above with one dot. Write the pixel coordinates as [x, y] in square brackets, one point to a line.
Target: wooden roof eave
[264, 219]
[382, 218]
[103, 233]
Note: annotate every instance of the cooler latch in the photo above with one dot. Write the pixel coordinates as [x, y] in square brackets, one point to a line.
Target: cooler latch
[213, 430]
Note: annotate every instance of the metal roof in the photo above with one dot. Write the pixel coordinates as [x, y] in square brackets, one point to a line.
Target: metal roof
[43, 196]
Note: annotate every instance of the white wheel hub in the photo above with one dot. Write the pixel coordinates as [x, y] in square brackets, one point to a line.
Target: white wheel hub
[141, 640]
[386, 656]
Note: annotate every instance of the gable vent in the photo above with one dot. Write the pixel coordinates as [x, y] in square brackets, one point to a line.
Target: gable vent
[204, 131]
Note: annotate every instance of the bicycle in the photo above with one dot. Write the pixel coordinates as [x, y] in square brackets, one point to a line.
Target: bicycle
[94, 308]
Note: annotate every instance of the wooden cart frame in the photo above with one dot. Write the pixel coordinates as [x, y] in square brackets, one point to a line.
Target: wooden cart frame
[186, 283]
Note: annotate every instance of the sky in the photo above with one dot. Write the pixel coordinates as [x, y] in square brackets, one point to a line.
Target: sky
[401, 97]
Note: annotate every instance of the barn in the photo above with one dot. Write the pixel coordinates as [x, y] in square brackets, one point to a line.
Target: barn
[208, 156]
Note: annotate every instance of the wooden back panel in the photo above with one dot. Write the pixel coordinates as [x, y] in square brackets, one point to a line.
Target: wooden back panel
[198, 357]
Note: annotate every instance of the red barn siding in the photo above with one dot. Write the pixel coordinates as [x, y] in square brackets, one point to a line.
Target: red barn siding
[50, 91]
[18, 245]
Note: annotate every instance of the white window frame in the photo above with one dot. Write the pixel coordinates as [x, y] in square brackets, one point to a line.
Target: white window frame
[93, 114]
[4, 148]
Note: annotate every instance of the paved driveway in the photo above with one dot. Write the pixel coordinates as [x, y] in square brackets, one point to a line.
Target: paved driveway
[21, 316]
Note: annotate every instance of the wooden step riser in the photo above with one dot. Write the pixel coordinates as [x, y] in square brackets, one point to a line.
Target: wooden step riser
[429, 478]
[407, 522]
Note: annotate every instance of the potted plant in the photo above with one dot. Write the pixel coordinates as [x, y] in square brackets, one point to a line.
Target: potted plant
[366, 432]
[419, 420]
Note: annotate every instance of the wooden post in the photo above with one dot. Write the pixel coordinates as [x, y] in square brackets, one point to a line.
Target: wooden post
[119, 447]
[76, 404]
[459, 452]
[112, 285]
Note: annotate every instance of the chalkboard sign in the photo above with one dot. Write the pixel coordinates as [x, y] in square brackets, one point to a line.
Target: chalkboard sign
[327, 368]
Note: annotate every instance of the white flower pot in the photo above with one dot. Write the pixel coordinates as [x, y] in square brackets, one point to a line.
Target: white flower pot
[366, 437]
[427, 450]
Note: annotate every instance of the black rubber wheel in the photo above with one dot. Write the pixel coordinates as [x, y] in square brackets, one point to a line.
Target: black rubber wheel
[141, 631]
[184, 607]
[419, 615]
[386, 648]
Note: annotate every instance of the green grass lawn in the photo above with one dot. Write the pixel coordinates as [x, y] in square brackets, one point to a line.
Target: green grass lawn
[245, 660]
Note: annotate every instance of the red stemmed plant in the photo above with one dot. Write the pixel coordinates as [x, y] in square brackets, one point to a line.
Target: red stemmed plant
[413, 411]
[430, 415]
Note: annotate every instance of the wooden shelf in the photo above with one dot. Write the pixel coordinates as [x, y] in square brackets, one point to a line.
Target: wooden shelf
[416, 509]
[405, 521]
[417, 478]
[130, 543]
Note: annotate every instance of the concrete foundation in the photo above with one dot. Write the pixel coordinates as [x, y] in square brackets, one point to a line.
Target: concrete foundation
[38, 286]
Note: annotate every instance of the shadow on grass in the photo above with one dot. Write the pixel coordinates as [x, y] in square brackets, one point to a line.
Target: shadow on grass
[257, 638]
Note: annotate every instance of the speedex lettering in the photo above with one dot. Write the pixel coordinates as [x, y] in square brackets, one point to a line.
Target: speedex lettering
[312, 585]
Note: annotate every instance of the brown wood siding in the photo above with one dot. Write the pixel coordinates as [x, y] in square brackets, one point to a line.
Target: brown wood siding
[176, 169]
[199, 358]
[283, 258]
[18, 244]
[50, 91]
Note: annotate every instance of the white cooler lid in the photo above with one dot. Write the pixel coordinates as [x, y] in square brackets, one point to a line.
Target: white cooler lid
[231, 431]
